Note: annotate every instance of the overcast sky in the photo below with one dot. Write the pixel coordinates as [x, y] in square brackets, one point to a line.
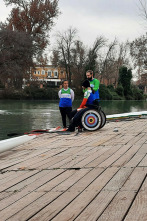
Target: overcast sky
[110, 18]
[92, 18]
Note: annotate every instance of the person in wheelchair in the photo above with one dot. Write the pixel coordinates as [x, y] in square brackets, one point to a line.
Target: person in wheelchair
[87, 103]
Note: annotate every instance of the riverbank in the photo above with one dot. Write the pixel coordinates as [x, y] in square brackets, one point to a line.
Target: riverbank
[86, 176]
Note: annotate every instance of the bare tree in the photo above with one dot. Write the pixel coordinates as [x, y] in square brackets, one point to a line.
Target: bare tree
[143, 9]
[79, 54]
[138, 50]
[92, 55]
[63, 53]
[109, 62]
[109, 58]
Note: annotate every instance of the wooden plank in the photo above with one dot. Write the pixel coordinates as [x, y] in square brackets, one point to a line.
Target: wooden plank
[143, 163]
[4, 195]
[91, 158]
[138, 210]
[8, 176]
[30, 188]
[103, 140]
[18, 205]
[81, 202]
[95, 208]
[8, 164]
[27, 162]
[61, 159]
[119, 179]
[71, 180]
[135, 180]
[118, 207]
[106, 155]
[87, 180]
[24, 183]
[28, 211]
[46, 199]
[123, 159]
[137, 158]
[57, 180]
[124, 154]
[93, 186]
[45, 164]
[23, 176]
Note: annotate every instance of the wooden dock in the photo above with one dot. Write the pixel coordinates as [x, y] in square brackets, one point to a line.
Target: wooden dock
[99, 175]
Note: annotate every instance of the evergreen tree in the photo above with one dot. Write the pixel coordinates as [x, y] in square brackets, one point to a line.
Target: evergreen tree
[125, 76]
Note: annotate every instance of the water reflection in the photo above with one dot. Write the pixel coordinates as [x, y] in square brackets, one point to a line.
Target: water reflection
[24, 116]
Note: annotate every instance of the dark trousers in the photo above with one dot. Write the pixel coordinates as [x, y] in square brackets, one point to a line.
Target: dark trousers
[76, 118]
[65, 111]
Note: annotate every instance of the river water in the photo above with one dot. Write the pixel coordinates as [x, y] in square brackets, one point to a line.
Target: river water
[24, 116]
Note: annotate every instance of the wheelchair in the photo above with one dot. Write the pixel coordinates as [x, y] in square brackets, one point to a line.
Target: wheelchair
[91, 118]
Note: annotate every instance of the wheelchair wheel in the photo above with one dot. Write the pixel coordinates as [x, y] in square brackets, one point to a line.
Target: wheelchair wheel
[103, 116]
[91, 120]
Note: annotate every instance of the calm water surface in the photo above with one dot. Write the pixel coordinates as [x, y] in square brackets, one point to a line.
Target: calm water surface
[24, 116]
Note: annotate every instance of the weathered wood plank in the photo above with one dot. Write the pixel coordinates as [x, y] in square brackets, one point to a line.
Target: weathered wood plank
[117, 207]
[138, 210]
[103, 157]
[94, 208]
[28, 211]
[18, 205]
[119, 179]
[17, 195]
[135, 180]
[81, 202]
[143, 163]
[23, 176]
[68, 196]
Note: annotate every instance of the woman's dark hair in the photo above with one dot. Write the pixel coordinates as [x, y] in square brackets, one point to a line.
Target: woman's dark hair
[64, 81]
[86, 83]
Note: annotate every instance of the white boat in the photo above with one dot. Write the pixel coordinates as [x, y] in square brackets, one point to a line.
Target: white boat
[14, 142]
[127, 115]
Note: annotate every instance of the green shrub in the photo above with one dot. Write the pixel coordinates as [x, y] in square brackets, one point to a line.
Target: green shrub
[111, 87]
[40, 93]
[1, 85]
[104, 93]
[115, 96]
[137, 93]
[129, 97]
[119, 90]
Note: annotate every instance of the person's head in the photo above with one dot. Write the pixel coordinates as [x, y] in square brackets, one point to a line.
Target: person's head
[65, 84]
[89, 75]
[86, 84]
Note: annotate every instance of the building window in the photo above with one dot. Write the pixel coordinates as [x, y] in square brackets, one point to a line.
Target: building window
[37, 72]
[55, 74]
[49, 74]
[43, 72]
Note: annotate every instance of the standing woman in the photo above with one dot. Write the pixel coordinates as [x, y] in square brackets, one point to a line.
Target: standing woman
[66, 96]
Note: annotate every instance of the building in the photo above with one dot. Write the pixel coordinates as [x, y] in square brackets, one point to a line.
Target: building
[49, 75]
